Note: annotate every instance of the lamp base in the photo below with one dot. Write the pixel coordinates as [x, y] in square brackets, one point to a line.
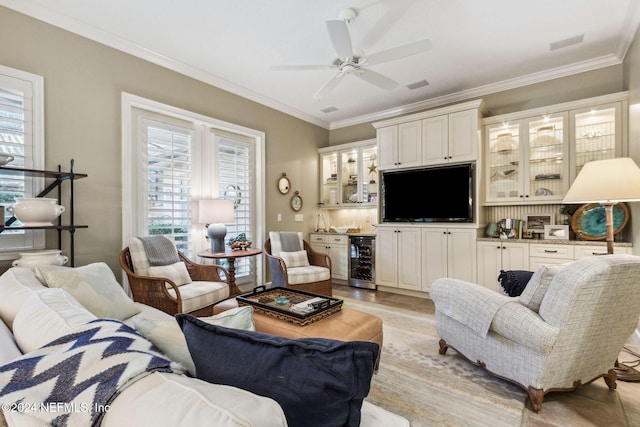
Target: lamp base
[216, 233]
[626, 373]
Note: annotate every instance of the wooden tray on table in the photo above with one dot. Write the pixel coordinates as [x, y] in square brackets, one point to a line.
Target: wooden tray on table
[293, 306]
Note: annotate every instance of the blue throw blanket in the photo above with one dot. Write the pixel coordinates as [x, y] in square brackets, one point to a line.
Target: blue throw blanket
[73, 380]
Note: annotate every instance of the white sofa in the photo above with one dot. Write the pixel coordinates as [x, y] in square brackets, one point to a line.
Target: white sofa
[159, 398]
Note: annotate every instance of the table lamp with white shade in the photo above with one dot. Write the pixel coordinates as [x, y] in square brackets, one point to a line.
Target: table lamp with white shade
[216, 213]
[608, 182]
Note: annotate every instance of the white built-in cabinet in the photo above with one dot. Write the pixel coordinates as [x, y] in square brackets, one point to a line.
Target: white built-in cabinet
[448, 252]
[500, 254]
[399, 257]
[348, 175]
[337, 247]
[497, 255]
[532, 157]
[446, 135]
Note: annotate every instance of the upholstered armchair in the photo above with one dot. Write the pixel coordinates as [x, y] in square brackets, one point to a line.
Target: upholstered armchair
[565, 330]
[294, 264]
[183, 287]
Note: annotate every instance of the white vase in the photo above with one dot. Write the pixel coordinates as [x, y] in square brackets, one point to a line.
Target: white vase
[46, 256]
[37, 211]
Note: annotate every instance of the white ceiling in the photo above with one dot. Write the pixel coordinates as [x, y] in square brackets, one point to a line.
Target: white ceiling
[478, 47]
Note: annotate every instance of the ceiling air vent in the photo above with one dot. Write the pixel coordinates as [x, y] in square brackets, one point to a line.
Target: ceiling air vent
[566, 42]
[416, 85]
[329, 110]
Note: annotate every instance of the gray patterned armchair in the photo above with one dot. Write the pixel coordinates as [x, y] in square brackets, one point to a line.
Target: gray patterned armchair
[565, 330]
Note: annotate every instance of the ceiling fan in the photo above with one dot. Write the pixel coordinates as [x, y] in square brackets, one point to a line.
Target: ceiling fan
[352, 62]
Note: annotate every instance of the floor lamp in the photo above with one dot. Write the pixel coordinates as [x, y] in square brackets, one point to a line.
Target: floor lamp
[608, 182]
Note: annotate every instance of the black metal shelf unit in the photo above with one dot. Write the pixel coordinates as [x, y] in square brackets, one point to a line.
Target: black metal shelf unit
[58, 178]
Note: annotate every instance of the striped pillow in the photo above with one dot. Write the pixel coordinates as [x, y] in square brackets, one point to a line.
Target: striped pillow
[295, 259]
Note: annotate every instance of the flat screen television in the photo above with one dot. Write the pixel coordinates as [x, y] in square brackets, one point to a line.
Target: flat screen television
[435, 194]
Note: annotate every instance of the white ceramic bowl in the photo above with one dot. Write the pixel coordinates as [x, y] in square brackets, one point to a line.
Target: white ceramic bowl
[46, 256]
[37, 211]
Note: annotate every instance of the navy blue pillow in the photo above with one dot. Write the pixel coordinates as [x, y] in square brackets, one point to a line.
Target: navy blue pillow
[317, 382]
[514, 281]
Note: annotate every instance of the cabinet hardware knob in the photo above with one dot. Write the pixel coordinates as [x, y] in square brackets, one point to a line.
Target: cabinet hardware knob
[547, 251]
[598, 253]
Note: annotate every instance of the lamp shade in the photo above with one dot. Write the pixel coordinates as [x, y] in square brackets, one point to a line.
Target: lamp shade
[215, 211]
[606, 181]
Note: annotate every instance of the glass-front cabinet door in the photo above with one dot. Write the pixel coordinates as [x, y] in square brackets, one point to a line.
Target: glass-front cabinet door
[547, 169]
[597, 135]
[329, 179]
[504, 162]
[349, 175]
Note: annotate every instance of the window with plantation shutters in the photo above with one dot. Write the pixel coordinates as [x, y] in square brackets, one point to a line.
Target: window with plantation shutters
[236, 181]
[169, 181]
[173, 158]
[21, 130]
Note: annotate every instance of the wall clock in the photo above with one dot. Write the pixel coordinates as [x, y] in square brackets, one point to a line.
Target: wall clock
[284, 185]
[296, 202]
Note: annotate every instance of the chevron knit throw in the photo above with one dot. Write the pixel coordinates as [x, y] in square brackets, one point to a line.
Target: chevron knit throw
[72, 380]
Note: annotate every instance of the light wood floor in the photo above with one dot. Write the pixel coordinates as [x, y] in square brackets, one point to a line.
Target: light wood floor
[591, 405]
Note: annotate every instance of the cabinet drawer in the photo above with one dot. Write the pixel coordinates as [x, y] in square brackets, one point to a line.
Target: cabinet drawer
[587, 251]
[318, 238]
[551, 251]
[338, 240]
[537, 262]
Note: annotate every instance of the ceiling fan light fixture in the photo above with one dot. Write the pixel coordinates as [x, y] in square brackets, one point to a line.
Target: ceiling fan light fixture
[347, 14]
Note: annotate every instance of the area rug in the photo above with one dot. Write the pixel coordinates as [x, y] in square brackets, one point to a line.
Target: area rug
[430, 389]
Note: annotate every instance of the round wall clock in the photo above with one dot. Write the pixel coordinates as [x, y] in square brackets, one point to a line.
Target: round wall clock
[296, 202]
[284, 185]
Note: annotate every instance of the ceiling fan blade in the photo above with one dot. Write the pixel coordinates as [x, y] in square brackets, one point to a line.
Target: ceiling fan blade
[340, 38]
[302, 67]
[329, 86]
[398, 52]
[377, 79]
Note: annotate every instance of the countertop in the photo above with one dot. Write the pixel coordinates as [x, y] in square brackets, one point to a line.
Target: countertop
[557, 242]
[345, 234]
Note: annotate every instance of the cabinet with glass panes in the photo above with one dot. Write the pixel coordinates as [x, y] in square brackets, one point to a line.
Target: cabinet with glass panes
[532, 157]
[349, 175]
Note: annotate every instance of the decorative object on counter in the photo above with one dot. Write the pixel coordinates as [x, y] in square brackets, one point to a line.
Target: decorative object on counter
[609, 183]
[321, 225]
[5, 159]
[239, 242]
[284, 185]
[536, 222]
[296, 202]
[491, 230]
[36, 211]
[526, 234]
[556, 232]
[509, 228]
[45, 256]
[216, 213]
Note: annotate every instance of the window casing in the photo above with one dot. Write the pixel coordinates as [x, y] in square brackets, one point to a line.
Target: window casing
[21, 136]
[173, 158]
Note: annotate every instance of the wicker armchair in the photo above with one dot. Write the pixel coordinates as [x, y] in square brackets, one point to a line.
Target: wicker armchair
[319, 267]
[165, 295]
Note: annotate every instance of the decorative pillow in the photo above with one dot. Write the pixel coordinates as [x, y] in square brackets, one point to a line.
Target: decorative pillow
[316, 381]
[46, 316]
[513, 282]
[94, 286]
[16, 286]
[537, 286]
[177, 272]
[295, 259]
[168, 337]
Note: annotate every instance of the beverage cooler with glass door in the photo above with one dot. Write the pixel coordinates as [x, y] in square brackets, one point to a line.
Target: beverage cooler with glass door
[361, 261]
